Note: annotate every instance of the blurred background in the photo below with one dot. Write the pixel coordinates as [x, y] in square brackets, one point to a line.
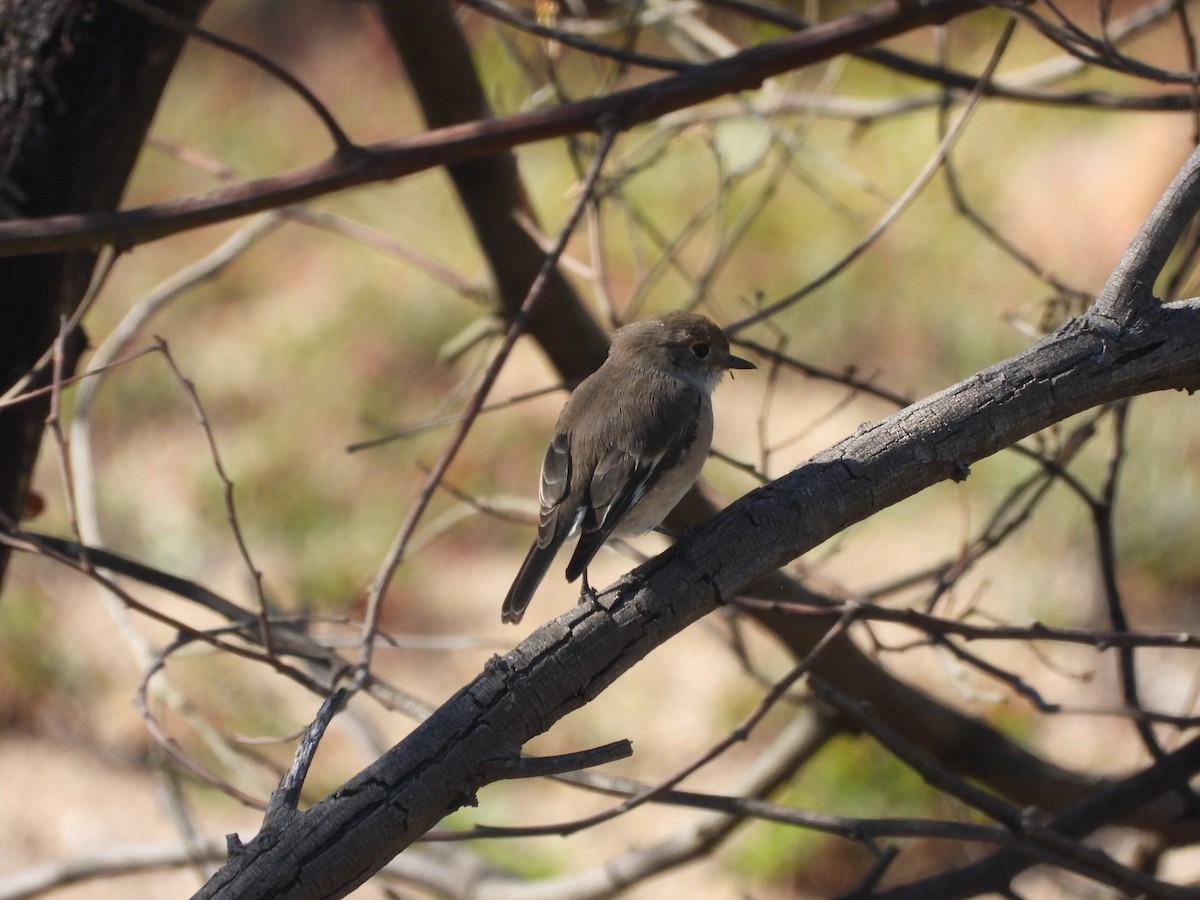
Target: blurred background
[370, 312]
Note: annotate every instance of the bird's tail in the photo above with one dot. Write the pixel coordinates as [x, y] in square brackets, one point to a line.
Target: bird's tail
[532, 571]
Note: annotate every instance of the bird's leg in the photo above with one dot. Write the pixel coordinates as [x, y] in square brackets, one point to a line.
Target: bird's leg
[587, 591]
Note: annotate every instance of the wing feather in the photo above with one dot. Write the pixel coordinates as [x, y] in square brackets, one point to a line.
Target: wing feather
[619, 482]
[552, 490]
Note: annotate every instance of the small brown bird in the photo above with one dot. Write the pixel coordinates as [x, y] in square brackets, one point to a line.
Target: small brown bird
[629, 443]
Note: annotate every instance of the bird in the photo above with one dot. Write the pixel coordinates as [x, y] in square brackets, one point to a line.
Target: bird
[629, 443]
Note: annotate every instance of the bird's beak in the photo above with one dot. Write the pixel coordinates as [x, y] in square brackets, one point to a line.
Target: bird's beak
[736, 362]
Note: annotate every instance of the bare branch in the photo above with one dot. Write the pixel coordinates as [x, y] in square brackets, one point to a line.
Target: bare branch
[454, 144]
[1129, 292]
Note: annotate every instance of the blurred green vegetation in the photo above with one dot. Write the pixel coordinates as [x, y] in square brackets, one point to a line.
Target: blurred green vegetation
[36, 671]
[850, 777]
[312, 341]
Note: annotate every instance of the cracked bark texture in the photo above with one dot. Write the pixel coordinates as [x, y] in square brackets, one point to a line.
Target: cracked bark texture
[1129, 344]
[79, 83]
[332, 847]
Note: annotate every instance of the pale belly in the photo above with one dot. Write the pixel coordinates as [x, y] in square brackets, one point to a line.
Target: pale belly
[670, 488]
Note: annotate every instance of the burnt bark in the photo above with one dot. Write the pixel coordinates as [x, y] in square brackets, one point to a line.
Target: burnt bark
[79, 83]
[475, 738]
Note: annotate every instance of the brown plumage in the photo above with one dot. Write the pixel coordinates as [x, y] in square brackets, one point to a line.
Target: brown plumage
[629, 443]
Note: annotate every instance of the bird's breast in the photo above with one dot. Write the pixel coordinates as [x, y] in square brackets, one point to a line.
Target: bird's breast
[673, 484]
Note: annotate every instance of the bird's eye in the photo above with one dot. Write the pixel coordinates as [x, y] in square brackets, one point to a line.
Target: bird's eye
[700, 350]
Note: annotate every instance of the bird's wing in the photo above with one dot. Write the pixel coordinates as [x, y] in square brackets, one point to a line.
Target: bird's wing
[555, 483]
[556, 480]
[621, 479]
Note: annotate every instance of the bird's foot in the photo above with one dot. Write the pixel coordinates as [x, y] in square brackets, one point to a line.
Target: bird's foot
[587, 592]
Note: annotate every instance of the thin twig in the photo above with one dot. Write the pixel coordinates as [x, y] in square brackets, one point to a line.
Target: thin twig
[739, 734]
[286, 798]
[156, 14]
[910, 193]
[458, 143]
[502, 13]
[395, 554]
[231, 515]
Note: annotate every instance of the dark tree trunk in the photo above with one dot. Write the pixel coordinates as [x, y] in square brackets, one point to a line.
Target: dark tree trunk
[79, 83]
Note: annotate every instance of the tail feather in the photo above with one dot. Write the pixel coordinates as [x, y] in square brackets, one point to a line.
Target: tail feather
[587, 548]
[530, 575]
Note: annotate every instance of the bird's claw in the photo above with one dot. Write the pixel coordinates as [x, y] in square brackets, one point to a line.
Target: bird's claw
[587, 592]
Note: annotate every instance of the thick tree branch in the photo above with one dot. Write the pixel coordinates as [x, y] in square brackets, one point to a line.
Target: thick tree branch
[1127, 344]
[458, 143]
[993, 873]
[332, 847]
[1129, 291]
[81, 81]
[438, 62]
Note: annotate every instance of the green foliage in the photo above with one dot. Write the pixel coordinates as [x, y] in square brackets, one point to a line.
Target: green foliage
[34, 668]
[851, 776]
